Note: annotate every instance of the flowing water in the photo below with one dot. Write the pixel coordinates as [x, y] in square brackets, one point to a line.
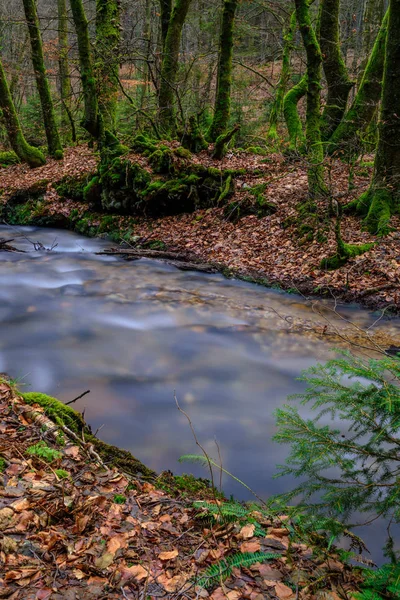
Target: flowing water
[134, 333]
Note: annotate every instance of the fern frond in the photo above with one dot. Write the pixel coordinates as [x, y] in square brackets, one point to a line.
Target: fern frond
[223, 569]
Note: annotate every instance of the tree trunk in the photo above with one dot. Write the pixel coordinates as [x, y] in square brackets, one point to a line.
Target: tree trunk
[107, 59]
[373, 16]
[49, 119]
[278, 102]
[22, 149]
[383, 197]
[169, 66]
[297, 138]
[91, 121]
[347, 135]
[316, 186]
[165, 10]
[339, 84]
[222, 107]
[63, 66]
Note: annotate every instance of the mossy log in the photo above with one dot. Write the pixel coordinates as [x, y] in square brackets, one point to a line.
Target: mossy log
[65, 416]
[176, 185]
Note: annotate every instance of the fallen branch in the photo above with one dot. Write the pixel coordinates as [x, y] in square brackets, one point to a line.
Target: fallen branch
[185, 262]
[77, 398]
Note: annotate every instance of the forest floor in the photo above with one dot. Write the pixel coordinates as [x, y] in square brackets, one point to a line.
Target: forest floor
[268, 250]
[72, 528]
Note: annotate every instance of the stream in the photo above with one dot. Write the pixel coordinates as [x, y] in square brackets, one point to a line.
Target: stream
[136, 332]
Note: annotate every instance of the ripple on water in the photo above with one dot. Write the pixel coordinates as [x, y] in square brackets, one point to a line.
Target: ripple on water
[135, 333]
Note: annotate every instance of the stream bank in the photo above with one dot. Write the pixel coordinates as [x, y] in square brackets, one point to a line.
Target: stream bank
[73, 527]
[273, 248]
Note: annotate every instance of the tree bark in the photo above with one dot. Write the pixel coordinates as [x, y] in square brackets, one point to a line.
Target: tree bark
[107, 58]
[383, 197]
[222, 106]
[63, 66]
[169, 66]
[49, 119]
[347, 136]
[339, 84]
[277, 105]
[91, 121]
[22, 149]
[297, 138]
[316, 185]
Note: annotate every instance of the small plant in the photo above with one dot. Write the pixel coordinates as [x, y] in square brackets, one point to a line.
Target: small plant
[60, 439]
[223, 569]
[43, 451]
[61, 474]
[229, 512]
[2, 465]
[380, 584]
[119, 499]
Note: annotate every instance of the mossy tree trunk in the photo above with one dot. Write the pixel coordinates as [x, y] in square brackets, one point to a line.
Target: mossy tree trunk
[64, 71]
[22, 149]
[373, 16]
[49, 119]
[297, 138]
[316, 186]
[222, 106]
[169, 66]
[108, 39]
[339, 84]
[347, 136]
[277, 105]
[165, 13]
[91, 120]
[383, 197]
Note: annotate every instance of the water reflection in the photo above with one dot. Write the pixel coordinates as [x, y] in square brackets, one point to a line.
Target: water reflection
[135, 332]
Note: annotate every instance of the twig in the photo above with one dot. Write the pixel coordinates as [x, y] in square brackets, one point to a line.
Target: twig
[77, 398]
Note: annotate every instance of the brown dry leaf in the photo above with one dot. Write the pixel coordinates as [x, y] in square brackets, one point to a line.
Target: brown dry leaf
[168, 555]
[115, 543]
[234, 595]
[104, 561]
[282, 591]
[279, 532]
[135, 572]
[172, 585]
[247, 531]
[81, 524]
[6, 516]
[250, 547]
[72, 451]
[79, 574]
[21, 505]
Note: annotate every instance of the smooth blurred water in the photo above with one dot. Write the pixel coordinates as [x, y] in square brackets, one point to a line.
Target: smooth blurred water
[136, 332]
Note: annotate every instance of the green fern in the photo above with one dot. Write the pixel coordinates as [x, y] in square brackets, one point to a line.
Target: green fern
[381, 584]
[223, 569]
[228, 512]
[43, 451]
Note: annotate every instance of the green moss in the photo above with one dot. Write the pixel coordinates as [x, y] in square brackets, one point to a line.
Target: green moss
[56, 411]
[62, 474]
[297, 138]
[8, 158]
[192, 138]
[257, 150]
[186, 486]
[349, 251]
[2, 465]
[73, 188]
[65, 415]
[44, 452]
[143, 145]
[376, 206]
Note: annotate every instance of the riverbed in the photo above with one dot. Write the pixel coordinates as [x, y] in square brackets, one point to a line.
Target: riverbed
[136, 333]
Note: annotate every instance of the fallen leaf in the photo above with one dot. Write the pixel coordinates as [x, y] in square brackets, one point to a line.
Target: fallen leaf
[247, 531]
[250, 547]
[168, 555]
[104, 561]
